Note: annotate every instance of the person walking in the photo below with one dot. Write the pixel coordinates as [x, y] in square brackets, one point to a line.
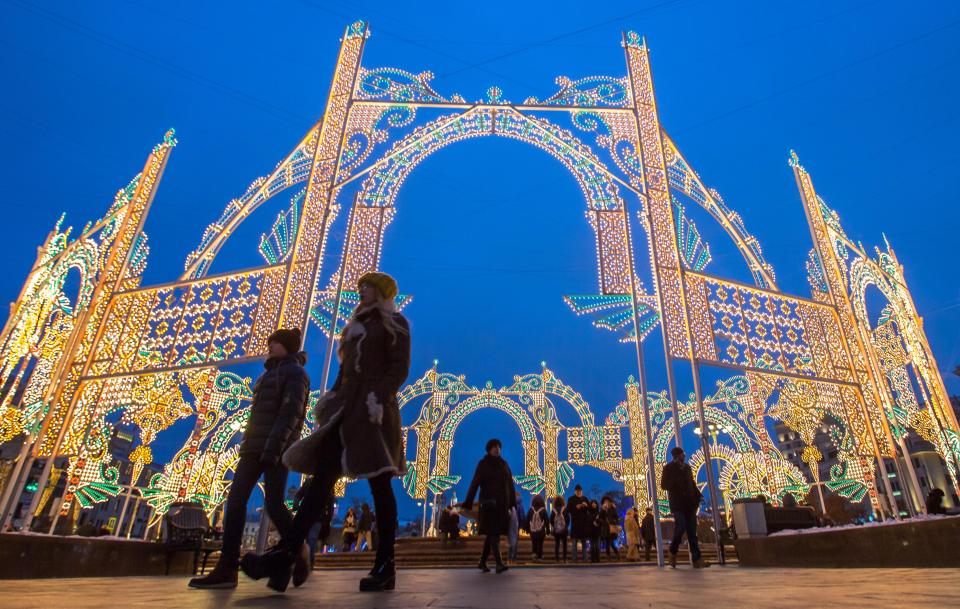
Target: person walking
[276, 417]
[319, 530]
[648, 533]
[579, 506]
[559, 526]
[357, 434]
[609, 526]
[631, 527]
[365, 528]
[513, 536]
[593, 530]
[684, 495]
[537, 526]
[349, 533]
[494, 481]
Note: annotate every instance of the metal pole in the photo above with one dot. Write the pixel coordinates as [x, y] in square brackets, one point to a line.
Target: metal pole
[263, 532]
[823, 504]
[672, 388]
[705, 443]
[918, 502]
[328, 353]
[133, 517]
[123, 510]
[423, 522]
[644, 398]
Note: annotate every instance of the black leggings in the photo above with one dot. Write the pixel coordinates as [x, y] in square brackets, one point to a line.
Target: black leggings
[325, 477]
[491, 545]
[557, 540]
[536, 539]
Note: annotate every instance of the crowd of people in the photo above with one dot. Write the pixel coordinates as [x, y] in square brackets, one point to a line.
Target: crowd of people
[583, 529]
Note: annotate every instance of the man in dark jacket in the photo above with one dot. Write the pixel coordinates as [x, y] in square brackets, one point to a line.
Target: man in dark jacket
[578, 507]
[276, 418]
[684, 496]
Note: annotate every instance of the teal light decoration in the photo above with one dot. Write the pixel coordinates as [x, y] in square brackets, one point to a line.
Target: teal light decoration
[564, 477]
[276, 246]
[815, 273]
[440, 484]
[694, 251]
[531, 483]
[614, 312]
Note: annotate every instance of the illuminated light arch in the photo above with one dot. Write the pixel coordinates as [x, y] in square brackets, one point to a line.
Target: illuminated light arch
[487, 399]
[601, 189]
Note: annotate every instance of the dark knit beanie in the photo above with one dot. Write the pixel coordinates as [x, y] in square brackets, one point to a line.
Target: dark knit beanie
[289, 338]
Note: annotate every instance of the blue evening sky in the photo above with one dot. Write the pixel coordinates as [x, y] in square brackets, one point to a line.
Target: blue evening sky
[490, 233]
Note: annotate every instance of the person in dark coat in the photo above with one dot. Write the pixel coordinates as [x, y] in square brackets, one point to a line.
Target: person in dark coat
[497, 496]
[594, 530]
[578, 507]
[648, 533]
[684, 495]
[276, 417]
[935, 502]
[609, 526]
[559, 526]
[357, 432]
[365, 527]
[537, 524]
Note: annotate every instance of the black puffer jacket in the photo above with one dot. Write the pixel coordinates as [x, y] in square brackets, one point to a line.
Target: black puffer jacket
[279, 406]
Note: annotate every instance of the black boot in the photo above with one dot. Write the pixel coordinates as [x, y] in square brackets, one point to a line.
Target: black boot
[277, 564]
[301, 568]
[384, 578]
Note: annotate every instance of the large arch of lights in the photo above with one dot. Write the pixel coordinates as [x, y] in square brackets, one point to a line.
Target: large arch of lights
[73, 365]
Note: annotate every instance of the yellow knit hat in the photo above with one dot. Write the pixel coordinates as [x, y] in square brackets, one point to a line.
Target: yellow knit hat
[385, 284]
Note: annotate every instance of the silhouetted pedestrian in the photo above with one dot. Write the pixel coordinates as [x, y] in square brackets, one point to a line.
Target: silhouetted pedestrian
[560, 527]
[276, 418]
[578, 506]
[684, 495]
[494, 481]
[537, 524]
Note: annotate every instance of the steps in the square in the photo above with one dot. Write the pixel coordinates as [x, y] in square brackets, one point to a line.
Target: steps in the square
[419, 552]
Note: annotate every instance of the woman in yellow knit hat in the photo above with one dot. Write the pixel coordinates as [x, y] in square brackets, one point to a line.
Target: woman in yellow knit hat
[357, 432]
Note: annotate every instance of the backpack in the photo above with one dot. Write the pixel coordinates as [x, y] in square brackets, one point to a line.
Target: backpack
[559, 521]
[536, 522]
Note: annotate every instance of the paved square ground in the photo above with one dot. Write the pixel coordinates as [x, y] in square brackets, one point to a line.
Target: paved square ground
[545, 588]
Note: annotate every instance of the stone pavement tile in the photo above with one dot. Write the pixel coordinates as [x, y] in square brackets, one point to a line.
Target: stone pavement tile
[547, 588]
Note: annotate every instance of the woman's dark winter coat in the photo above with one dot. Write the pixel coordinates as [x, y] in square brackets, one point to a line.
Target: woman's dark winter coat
[579, 517]
[363, 401]
[366, 521]
[497, 495]
[279, 405]
[683, 492]
[647, 531]
[608, 518]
